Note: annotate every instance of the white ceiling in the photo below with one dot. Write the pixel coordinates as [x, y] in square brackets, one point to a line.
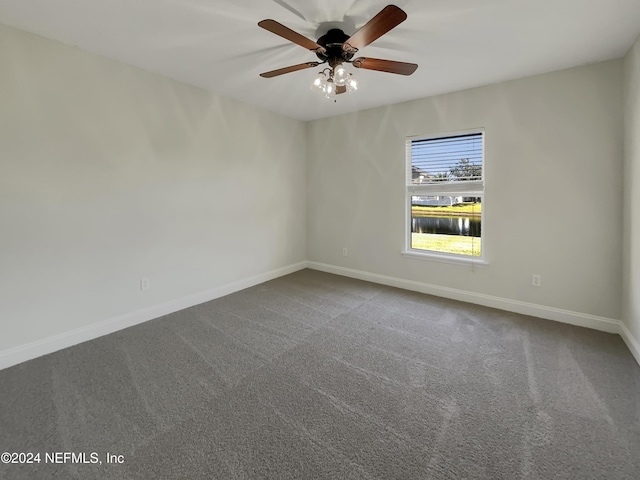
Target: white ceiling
[217, 45]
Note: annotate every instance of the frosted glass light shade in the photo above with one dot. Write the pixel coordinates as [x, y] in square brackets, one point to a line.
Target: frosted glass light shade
[330, 89]
[319, 83]
[352, 84]
[340, 75]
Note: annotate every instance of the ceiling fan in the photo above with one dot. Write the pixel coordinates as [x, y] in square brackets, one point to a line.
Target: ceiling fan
[337, 48]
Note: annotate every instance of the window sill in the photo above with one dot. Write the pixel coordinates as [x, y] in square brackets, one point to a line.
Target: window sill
[434, 257]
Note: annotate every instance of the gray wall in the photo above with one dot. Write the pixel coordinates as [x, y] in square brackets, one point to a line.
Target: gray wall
[109, 173]
[631, 261]
[553, 198]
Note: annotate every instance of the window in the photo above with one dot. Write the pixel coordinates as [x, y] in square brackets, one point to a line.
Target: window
[445, 189]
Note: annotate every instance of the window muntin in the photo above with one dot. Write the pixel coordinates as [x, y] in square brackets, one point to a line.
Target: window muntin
[445, 188]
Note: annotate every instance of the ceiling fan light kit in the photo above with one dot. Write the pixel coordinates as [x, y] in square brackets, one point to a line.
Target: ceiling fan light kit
[337, 80]
[337, 48]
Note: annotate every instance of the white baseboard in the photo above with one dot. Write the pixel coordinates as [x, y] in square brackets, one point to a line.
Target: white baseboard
[632, 343]
[594, 322]
[604, 324]
[22, 353]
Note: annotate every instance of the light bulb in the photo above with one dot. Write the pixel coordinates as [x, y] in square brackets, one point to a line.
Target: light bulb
[330, 89]
[340, 75]
[352, 84]
[319, 83]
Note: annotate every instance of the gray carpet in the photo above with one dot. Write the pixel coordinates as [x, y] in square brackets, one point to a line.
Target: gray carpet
[318, 376]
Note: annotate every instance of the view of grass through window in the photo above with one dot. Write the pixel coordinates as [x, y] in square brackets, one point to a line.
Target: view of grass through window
[445, 191]
[446, 224]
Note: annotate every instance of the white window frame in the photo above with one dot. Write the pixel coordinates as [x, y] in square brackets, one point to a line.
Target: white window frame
[475, 188]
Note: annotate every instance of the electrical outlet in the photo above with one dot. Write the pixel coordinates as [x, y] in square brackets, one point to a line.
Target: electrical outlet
[145, 284]
[536, 280]
[344, 252]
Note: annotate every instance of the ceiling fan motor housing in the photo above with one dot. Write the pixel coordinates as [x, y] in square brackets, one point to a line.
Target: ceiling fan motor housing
[332, 42]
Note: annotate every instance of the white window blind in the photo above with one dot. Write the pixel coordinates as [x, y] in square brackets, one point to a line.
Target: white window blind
[455, 158]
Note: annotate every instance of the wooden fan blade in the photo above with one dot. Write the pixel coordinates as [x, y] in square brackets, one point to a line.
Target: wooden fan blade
[388, 18]
[292, 68]
[287, 33]
[390, 66]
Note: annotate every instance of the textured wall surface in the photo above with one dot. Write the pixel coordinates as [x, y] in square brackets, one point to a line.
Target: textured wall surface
[631, 262]
[553, 198]
[109, 174]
